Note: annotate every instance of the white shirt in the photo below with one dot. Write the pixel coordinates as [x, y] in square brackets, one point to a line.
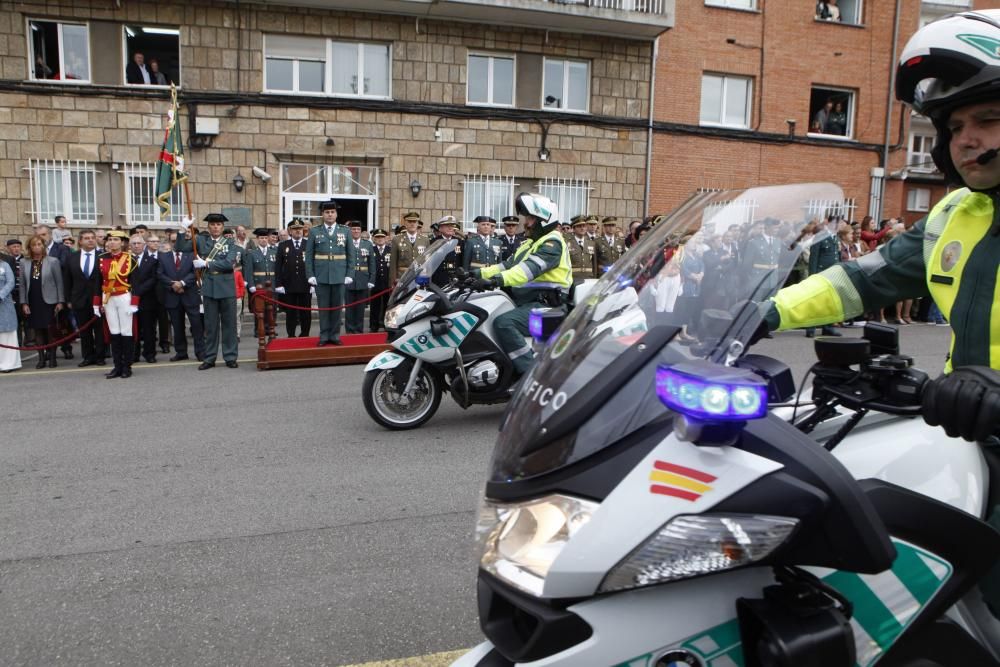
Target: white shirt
[83, 260]
[610, 240]
[145, 73]
[413, 239]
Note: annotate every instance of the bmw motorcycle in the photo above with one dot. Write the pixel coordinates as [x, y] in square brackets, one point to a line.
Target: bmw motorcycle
[443, 341]
[658, 501]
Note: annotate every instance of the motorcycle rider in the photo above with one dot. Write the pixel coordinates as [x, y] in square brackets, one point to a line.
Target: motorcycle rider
[949, 74]
[539, 272]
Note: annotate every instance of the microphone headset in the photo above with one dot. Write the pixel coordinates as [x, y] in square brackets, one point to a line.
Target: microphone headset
[987, 156]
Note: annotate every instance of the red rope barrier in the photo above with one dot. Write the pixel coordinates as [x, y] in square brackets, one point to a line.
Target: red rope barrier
[57, 343]
[264, 297]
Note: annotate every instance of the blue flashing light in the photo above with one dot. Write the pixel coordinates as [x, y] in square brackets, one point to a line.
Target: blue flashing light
[422, 281]
[535, 325]
[709, 399]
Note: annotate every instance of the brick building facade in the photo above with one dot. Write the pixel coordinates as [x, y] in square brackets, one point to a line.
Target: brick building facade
[280, 89]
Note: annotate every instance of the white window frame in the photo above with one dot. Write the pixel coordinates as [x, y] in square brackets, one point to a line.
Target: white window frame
[564, 191]
[918, 199]
[565, 88]
[489, 84]
[328, 65]
[131, 172]
[920, 161]
[748, 108]
[851, 113]
[62, 56]
[72, 171]
[744, 5]
[125, 53]
[474, 206]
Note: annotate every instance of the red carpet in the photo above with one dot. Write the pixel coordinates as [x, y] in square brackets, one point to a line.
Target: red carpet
[349, 340]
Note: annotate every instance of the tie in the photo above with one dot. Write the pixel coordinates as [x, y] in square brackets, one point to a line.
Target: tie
[86, 265]
[177, 261]
[296, 245]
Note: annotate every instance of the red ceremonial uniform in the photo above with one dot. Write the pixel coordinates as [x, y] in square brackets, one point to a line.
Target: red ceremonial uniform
[116, 274]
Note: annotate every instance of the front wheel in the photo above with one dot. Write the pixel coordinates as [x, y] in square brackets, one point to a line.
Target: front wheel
[386, 404]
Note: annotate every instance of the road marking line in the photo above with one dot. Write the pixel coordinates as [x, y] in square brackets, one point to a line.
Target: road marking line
[429, 660]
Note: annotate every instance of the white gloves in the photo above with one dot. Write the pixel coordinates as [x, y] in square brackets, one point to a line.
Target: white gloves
[348, 280]
[97, 311]
[371, 285]
[312, 281]
[200, 263]
[279, 290]
[132, 310]
[186, 222]
[312, 291]
[252, 289]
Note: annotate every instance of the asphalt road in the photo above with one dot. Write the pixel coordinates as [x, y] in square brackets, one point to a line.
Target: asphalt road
[237, 517]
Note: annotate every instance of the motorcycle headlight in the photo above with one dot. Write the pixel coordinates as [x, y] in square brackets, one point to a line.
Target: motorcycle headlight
[520, 541]
[418, 310]
[692, 545]
[391, 316]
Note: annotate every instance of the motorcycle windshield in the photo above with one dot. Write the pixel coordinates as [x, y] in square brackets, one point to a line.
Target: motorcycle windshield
[688, 289]
[424, 265]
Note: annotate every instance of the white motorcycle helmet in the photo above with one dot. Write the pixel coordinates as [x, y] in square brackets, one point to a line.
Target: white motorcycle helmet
[950, 63]
[539, 206]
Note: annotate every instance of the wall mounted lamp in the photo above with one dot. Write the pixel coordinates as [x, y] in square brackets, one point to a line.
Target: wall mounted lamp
[239, 182]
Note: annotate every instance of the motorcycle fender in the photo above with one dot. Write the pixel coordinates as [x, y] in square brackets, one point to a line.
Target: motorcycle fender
[384, 361]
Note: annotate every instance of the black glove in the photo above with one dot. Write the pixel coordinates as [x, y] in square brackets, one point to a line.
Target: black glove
[966, 403]
[484, 284]
[461, 274]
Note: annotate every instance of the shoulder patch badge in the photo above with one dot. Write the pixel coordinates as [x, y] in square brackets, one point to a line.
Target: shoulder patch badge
[950, 255]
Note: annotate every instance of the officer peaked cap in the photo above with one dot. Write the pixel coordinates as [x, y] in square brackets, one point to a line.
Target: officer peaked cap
[610, 220]
[117, 234]
[296, 223]
[328, 205]
[511, 220]
[379, 233]
[447, 220]
[355, 223]
[484, 218]
[412, 215]
[579, 220]
[261, 231]
[216, 217]
[11, 242]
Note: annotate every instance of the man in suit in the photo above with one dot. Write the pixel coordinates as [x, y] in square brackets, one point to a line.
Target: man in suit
[362, 273]
[13, 258]
[136, 71]
[482, 249]
[82, 283]
[217, 256]
[154, 248]
[582, 251]
[510, 240]
[144, 286]
[258, 273]
[406, 246]
[376, 312]
[63, 254]
[175, 273]
[329, 253]
[291, 282]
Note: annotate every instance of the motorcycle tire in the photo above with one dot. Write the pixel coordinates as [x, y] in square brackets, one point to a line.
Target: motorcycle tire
[380, 384]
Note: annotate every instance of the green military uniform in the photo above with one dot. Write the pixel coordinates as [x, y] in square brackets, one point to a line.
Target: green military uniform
[761, 260]
[329, 254]
[218, 291]
[609, 246]
[582, 253]
[362, 272]
[258, 272]
[480, 252]
[403, 250]
[540, 275]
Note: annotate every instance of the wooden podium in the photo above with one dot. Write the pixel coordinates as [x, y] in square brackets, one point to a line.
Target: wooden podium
[274, 352]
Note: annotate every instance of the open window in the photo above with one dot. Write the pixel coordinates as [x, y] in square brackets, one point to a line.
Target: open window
[841, 11]
[59, 51]
[152, 55]
[831, 112]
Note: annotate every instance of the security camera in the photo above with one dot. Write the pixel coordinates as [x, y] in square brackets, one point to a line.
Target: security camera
[261, 174]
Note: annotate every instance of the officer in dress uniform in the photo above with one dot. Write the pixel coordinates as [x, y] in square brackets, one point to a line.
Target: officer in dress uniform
[609, 246]
[116, 303]
[482, 249]
[406, 246]
[258, 273]
[510, 240]
[376, 307]
[329, 256]
[452, 262]
[238, 270]
[582, 251]
[593, 221]
[362, 272]
[216, 258]
[290, 279]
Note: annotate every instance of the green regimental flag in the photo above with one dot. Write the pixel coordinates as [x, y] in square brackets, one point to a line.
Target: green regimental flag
[170, 166]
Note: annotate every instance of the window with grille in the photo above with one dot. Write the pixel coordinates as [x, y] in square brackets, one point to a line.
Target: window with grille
[823, 209]
[487, 195]
[140, 196]
[63, 187]
[571, 196]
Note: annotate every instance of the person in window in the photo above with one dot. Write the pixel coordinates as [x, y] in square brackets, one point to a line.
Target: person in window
[42, 71]
[156, 77]
[136, 71]
[821, 121]
[837, 122]
[827, 10]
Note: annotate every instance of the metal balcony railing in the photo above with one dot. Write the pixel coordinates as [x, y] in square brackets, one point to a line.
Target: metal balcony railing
[656, 7]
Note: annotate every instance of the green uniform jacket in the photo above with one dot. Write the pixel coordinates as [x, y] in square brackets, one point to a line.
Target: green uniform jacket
[402, 253]
[329, 255]
[952, 254]
[217, 280]
[583, 258]
[479, 253]
[363, 269]
[608, 252]
[258, 266]
[539, 264]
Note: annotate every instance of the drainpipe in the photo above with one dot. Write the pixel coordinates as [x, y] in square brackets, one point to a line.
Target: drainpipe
[649, 131]
[889, 98]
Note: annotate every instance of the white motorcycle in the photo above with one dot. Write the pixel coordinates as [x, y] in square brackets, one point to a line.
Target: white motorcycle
[443, 340]
[665, 507]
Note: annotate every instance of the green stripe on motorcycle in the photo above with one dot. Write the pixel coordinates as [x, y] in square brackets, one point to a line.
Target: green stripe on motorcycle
[918, 578]
[460, 325]
[869, 611]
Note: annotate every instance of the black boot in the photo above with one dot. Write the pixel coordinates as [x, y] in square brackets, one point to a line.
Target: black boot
[116, 357]
[43, 356]
[52, 358]
[127, 343]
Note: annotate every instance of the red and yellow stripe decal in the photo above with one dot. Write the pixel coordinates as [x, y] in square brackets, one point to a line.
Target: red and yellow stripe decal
[679, 482]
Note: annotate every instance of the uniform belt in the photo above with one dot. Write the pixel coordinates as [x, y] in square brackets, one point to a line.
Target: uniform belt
[117, 292]
[477, 265]
[765, 266]
[329, 256]
[362, 268]
[218, 273]
[261, 273]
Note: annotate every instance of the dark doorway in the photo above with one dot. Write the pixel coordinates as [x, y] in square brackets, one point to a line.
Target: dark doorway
[353, 209]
